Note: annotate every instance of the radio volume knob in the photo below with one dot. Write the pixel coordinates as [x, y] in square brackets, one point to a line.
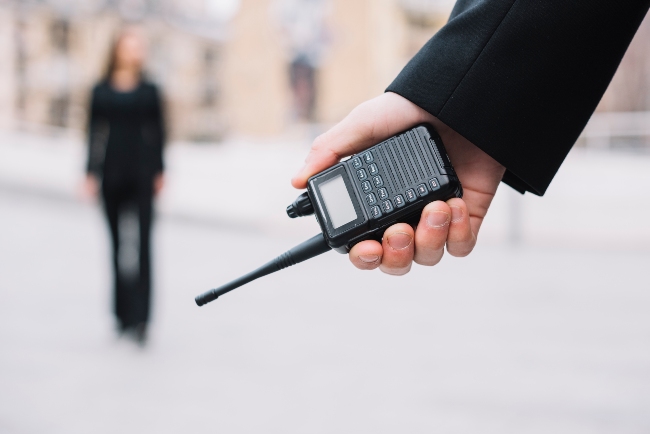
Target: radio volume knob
[300, 207]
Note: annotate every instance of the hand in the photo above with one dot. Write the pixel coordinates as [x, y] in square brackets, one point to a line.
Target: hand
[455, 223]
[158, 184]
[90, 187]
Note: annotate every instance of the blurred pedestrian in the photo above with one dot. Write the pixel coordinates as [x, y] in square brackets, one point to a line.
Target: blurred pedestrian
[125, 162]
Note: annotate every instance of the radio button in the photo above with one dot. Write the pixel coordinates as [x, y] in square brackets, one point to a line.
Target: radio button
[382, 193]
[434, 184]
[362, 174]
[422, 190]
[377, 181]
[375, 212]
[356, 162]
[366, 186]
[410, 195]
[387, 206]
[372, 168]
[399, 201]
[371, 199]
[367, 157]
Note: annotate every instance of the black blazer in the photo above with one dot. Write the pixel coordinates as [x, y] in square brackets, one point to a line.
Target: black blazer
[520, 78]
[126, 132]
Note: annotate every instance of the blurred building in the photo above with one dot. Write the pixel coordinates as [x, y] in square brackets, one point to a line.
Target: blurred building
[52, 56]
[251, 67]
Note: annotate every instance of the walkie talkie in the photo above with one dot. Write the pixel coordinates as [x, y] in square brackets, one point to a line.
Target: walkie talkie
[359, 198]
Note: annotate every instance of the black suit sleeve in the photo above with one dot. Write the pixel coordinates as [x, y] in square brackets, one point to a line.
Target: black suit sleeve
[157, 129]
[97, 135]
[520, 78]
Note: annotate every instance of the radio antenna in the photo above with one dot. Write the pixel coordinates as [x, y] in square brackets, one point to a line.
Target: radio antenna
[314, 246]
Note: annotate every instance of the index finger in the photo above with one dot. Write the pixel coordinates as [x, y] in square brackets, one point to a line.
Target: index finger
[368, 124]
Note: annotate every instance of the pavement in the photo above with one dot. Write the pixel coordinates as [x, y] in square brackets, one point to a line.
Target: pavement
[544, 328]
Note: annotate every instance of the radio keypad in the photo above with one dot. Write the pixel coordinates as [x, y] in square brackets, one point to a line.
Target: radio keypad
[410, 195]
[370, 177]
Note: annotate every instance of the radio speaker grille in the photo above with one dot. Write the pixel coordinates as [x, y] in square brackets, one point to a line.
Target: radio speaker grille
[408, 159]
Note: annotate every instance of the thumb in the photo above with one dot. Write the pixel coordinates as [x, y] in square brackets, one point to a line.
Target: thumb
[368, 124]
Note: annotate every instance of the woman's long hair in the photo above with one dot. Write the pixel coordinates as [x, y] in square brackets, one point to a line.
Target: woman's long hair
[111, 63]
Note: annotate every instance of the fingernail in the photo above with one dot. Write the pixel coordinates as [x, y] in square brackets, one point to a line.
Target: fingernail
[438, 219]
[368, 259]
[456, 214]
[399, 240]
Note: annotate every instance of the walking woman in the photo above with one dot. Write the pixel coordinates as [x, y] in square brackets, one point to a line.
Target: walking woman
[125, 162]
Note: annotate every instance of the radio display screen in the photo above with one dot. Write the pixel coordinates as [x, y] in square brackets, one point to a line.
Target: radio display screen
[337, 201]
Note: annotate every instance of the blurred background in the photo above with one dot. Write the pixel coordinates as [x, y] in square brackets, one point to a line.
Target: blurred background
[544, 328]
